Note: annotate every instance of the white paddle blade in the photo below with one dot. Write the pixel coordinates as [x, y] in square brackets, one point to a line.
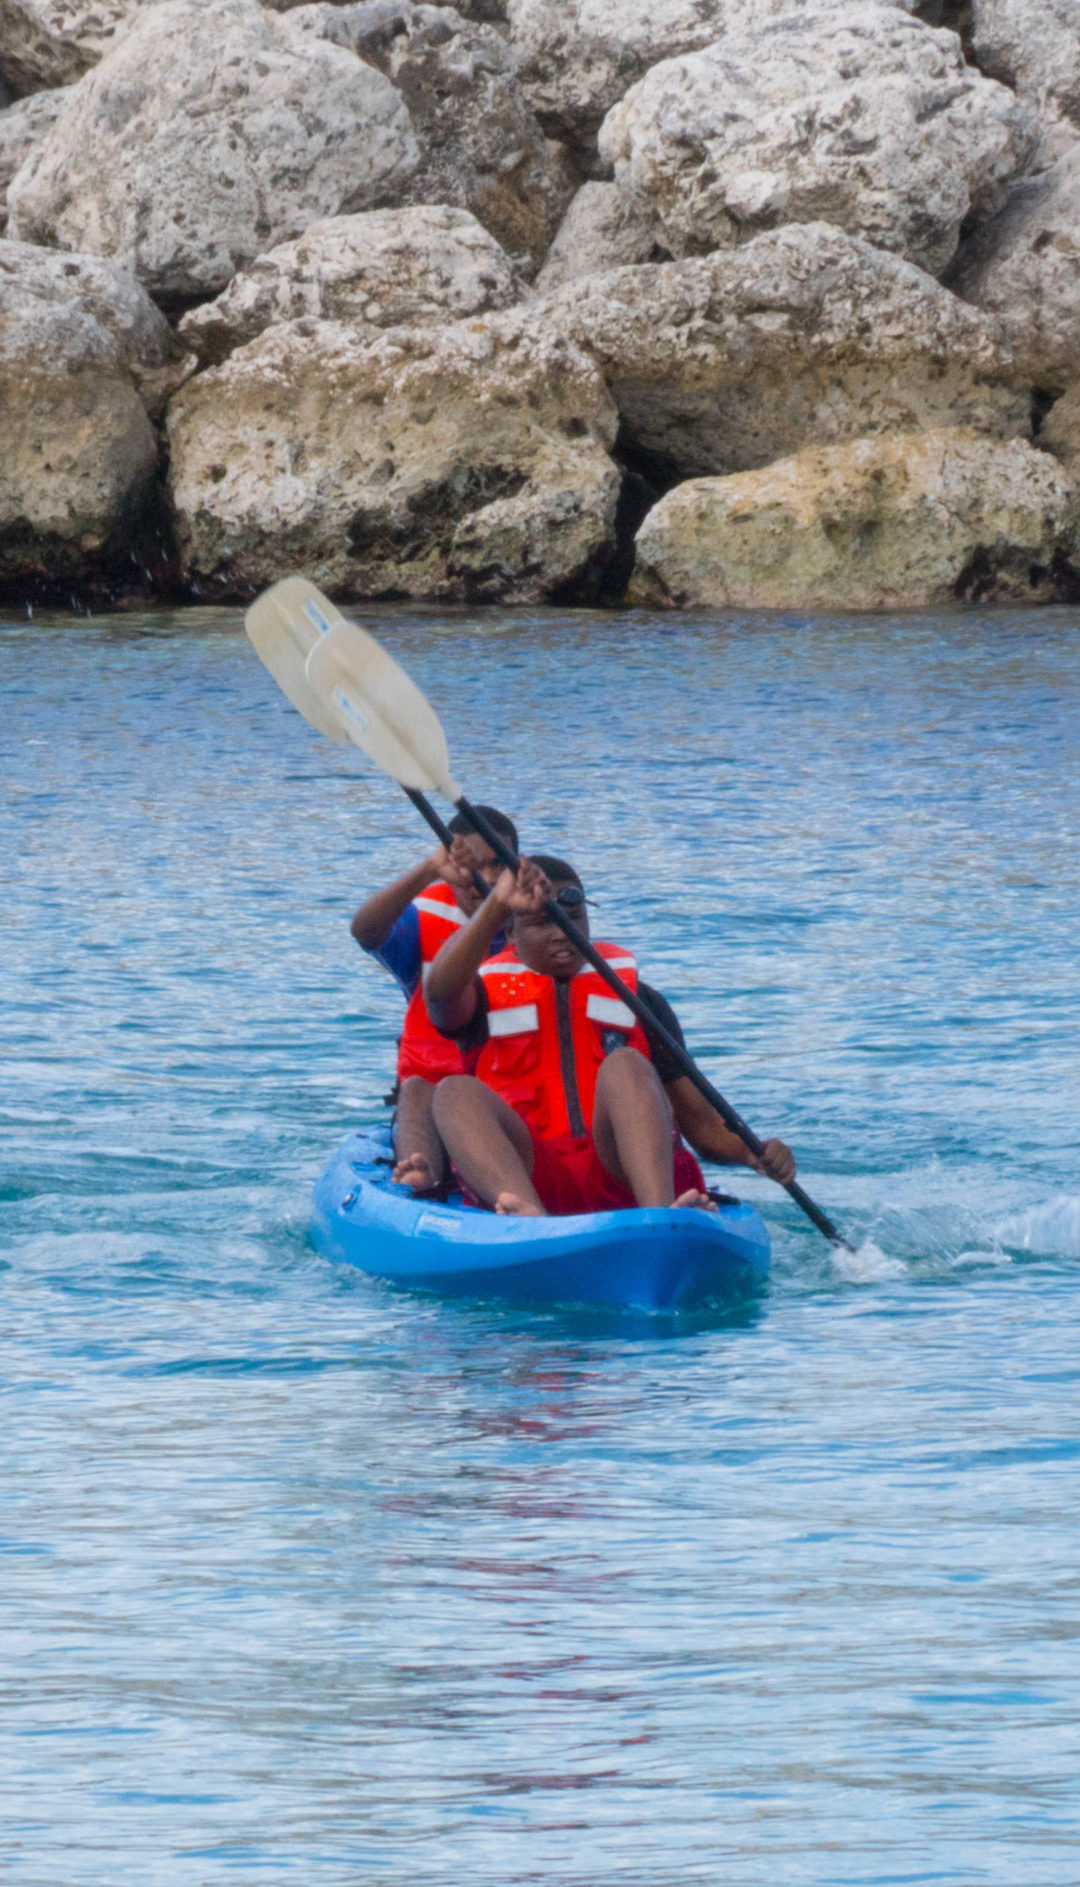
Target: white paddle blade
[284, 624]
[381, 710]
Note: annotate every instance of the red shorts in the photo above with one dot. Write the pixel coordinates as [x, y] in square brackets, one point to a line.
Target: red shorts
[569, 1176]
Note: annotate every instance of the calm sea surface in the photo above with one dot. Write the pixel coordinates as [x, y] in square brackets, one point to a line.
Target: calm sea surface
[302, 1579]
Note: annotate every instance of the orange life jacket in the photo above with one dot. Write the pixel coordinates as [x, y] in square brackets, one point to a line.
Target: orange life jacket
[546, 1039]
[422, 1050]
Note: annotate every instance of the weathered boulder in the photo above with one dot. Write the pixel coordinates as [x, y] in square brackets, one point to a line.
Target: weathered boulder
[47, 43]
[1034, 46]
[802, 336]
[209, 134]
[601, 230]
[1061, 431]
[468, 461]
[22, 127]
[901, 522]
[82, 351]
[863, 117]
[577, 58]
[387, 268]
[1023, 267]
[480, 145]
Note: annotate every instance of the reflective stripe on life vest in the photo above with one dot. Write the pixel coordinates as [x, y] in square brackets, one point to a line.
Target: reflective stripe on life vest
[547, 1040]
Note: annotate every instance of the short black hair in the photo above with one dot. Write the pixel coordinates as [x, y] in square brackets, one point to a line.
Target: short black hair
[557, 870]
[505, 827]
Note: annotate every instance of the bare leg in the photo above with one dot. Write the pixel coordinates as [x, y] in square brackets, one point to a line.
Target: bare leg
[488, 1144]
[421, 1160]
[632, 1131]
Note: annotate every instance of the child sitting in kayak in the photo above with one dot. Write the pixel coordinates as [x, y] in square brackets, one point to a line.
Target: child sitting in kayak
[404, 926]
[572, 1108]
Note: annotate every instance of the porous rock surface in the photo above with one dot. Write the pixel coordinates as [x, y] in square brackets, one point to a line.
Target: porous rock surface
[1023, 268]
[577, 58]
[466, 461]
[385, 268]
[479, 144]
[210, 133]
[83, 353]
[1034, 46]
[894, 522]
[601, 230]
[22, 127]
[1061, 431]
[47, 43]
[861, 116]
[804, 335]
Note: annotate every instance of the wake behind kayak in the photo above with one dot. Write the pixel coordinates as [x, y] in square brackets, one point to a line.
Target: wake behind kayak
[657, 1258]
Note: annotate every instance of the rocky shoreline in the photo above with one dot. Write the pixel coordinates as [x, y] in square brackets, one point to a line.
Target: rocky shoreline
[703, 303]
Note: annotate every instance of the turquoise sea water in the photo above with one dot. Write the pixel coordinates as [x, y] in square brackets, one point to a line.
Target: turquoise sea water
[305, 1580]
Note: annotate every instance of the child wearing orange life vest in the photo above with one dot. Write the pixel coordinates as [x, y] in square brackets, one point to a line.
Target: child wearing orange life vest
[573, 1106]
[404, 927]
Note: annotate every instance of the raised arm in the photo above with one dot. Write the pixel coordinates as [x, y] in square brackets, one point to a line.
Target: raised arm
[375, 919]
[451, 991]
[699, 1123]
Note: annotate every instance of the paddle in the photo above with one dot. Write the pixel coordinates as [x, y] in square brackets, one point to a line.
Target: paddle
[284, 625]
[383, 712]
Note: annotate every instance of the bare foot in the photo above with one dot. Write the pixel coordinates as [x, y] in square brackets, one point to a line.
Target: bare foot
[699, 1199]
[415, 1172]
[510, 1206]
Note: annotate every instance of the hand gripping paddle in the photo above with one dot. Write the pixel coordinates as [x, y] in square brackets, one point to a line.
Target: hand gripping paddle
[375, 705]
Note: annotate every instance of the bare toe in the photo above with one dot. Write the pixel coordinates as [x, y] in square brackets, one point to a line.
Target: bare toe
[699, 1199]
[415, 1172]
[511, 1206]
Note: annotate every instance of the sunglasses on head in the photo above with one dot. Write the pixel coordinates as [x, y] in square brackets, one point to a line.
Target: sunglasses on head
[570, 897]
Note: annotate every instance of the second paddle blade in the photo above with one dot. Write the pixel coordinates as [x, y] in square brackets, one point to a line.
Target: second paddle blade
[380, 709]
[284, 624]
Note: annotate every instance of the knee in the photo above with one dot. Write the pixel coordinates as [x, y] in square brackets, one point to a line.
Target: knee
[628, 1064]
[453, 1093]
[628, 1071]
[415, 1089]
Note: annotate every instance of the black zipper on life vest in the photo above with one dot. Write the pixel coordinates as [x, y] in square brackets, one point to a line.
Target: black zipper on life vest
[568, 1061]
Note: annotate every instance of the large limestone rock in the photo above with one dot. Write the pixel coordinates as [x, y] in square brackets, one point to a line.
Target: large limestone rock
[480, 145]
[901, 522]
[1061, 432]
[860, 116]
[1023, 268]
[209, 134]
[82, 351]
[600, 231]
[22, 127]
[468, 461]
[47, 43]
[577, 58]
[1034, 46]
[387, 268]
[802, 336]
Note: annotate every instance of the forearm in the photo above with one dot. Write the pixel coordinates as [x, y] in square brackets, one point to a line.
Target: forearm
[450, 989]
[700, 1124]
[373, 922]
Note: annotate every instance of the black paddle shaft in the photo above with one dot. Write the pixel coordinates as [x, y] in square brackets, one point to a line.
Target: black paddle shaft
[427, 811]
[508, 857]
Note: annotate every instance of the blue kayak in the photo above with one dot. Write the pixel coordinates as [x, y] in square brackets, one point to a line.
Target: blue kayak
[646, 1259]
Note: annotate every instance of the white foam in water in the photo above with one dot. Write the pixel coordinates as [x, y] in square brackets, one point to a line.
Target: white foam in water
[1052, 1230]
[868, 1264]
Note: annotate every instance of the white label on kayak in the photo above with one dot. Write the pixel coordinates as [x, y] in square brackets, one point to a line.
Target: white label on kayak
[610, 1010]
[517, 1021]
[437, 1225]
